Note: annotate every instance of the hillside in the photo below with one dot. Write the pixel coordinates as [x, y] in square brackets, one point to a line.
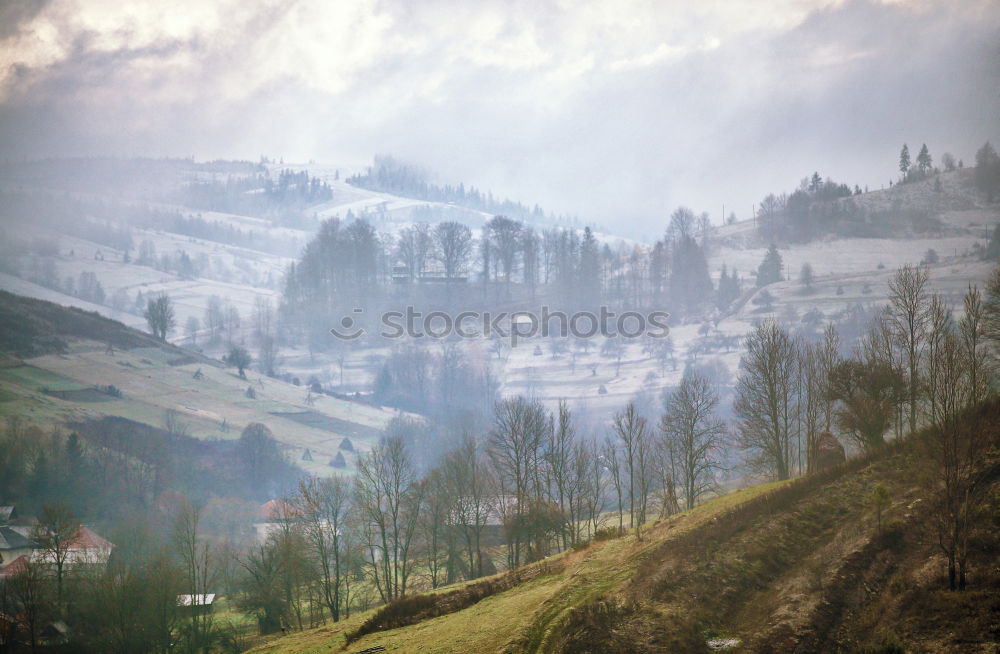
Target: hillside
[60, 363]
[850, 273]
[799, 566]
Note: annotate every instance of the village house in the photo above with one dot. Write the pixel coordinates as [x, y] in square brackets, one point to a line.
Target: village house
[85, 547]
[270, 516]
[13, 545]
[200, 604]
[15, 540]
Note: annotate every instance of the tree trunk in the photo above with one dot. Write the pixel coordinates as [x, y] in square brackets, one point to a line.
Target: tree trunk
[961, 572]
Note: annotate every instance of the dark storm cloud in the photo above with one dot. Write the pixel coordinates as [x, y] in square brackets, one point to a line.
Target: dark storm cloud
[14, 14]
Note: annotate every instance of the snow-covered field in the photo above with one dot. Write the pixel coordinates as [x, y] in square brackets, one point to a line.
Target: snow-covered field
[846, 272]
[851, 256]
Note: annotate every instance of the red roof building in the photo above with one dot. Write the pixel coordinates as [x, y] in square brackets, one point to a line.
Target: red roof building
[14, 568]
[276, 510]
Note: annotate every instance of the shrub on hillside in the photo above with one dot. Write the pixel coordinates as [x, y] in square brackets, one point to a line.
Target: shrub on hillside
[607, 533]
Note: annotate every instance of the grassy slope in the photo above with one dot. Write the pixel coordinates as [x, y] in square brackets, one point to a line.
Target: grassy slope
[796, 566]
[529, 613]
[154, 377]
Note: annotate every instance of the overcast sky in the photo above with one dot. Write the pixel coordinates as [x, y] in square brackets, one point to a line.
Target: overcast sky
[614, 110]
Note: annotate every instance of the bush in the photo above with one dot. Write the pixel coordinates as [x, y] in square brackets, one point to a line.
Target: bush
[764, 300]
[607, 533]
[416, 608]
[111, 390]
[889, 644]
[397, 613]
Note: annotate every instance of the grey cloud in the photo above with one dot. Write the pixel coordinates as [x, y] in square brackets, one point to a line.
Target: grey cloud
[838, 92]
[14, 14]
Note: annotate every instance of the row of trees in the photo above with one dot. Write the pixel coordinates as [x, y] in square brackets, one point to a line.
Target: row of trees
[532, 483]
[390, 175]
[111, 469]
[791, 390]
[820, 206]
[924, 164]
[987, 175]
[350, 266]
[915, 367]
[255, 193]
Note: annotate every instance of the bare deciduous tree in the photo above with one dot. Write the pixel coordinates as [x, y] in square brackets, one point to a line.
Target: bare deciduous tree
[54, 533]
[263, 317]
[414, 247]
[505, 236]
[214, 317]
[267, 355]
[159, 315]
[908, 310]
[174, 424]
[198, 567]
[973, 330]
[956, 443]
[611, 462]
[453, 244]
[827, 356]
[324, 504]
[631, 429]
[29, 593]
[696, 434]
[595, 484]
[516, 449]
[472, 485]
[436, 527]
[558, 460]
[765, 399]
[389, 498]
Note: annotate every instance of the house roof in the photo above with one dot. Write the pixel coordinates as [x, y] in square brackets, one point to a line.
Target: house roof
[57, 628]
[15, 567]
[276, 510]
[205, 599]
[12, 540]
[6, 513]
[85, 539]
